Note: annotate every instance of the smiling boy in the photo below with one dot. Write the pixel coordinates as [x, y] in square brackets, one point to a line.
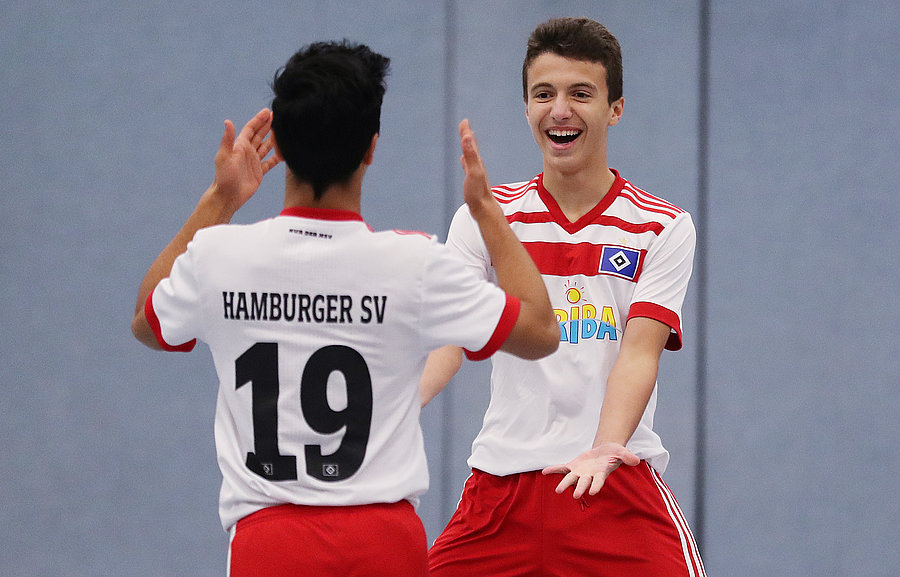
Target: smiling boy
[616, 262]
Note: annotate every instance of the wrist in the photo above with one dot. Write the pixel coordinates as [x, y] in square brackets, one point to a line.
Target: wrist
[606, 444]
[218, 206]
[485, 209]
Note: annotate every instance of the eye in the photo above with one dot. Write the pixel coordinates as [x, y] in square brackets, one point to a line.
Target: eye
[582, 95]
[542, 95]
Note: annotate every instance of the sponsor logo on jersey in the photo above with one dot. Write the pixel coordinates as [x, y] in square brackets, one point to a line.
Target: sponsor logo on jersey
[584, 320]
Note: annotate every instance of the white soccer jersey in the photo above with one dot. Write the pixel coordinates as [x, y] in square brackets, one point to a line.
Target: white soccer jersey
[630, 256]
[319, 329]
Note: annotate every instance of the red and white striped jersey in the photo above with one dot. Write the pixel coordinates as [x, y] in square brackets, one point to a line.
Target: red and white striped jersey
[319, 329]
[630, 256]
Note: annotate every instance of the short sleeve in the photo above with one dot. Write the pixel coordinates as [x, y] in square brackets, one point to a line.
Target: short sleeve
[464, 240]
[173, 308]
[460, 308]
[663, 283]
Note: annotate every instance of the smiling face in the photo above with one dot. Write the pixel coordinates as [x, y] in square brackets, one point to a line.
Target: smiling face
[567, 107]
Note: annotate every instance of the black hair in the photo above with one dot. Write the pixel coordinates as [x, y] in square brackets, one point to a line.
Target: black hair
[326, 109]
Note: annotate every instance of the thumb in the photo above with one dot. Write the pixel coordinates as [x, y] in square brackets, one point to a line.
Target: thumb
[227, 138]
[470, 156]
[562, 469]
[629, 458]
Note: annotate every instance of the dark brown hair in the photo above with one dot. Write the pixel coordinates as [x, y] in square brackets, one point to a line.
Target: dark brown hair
[579, 39]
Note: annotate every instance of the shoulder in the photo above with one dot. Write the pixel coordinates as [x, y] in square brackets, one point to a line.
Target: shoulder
[641, 208]
[412, 233]
[507, 193]
[648, 203]
[663, 225]
[401, 244]
[225, 239]
[219, 232]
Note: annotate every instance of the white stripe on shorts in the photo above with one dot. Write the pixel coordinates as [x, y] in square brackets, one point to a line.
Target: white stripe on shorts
[688, 545]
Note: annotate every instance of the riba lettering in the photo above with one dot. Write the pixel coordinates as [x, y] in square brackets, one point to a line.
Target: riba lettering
[582, 323]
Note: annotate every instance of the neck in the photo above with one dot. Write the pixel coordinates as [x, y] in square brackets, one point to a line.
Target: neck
[578, 192]
[338, 196]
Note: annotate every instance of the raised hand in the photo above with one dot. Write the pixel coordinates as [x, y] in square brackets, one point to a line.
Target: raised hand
[242, 162]
[476, 189]
[589, 470]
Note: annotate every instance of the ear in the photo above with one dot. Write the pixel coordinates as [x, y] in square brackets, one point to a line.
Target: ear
[369, 157]
[616, 110]
[276, 152]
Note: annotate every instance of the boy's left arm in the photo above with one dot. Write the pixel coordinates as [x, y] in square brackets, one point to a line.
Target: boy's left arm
[628, 390]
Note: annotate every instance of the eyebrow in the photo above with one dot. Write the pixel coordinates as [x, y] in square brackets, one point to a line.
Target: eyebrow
[576, 86]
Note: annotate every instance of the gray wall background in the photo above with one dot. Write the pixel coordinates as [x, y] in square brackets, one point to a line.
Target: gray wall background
[786, 460]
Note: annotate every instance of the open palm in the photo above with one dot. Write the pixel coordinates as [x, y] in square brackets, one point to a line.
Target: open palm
[242, 162]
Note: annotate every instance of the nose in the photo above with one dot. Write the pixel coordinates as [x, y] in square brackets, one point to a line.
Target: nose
[561, 109]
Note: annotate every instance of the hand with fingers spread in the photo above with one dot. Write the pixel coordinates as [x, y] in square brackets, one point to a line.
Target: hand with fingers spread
[588, 471]
[242, 162]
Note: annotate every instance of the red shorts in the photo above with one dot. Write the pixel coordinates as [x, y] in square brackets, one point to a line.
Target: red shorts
[518, 526]
[382, 539]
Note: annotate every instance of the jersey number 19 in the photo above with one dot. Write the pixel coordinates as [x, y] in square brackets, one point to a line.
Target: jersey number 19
[259, 367]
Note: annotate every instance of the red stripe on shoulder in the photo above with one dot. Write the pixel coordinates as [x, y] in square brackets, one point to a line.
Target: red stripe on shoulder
[505, 193]
[649, 202]
[410, 233]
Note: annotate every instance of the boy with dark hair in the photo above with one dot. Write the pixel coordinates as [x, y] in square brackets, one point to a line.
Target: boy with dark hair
[616, 262]
[332, 91]
[319, 328]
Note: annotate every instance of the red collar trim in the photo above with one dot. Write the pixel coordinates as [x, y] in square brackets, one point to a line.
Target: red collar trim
[591, 215]
[321, 213]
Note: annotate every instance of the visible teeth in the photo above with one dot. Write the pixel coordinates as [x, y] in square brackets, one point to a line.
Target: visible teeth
[553, 132]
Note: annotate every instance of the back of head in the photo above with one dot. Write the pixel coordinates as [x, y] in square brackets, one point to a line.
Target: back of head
[327, 108]
[579, 39]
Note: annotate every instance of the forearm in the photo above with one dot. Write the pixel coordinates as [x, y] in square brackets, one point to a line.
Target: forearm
[631, 381]
[441, 366]
[628, 390]
[517, 274]
[536, 332]
[212, 209]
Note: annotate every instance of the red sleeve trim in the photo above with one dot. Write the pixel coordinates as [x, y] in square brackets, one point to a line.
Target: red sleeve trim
[663, 315]
[153, 321]
[505, 325]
